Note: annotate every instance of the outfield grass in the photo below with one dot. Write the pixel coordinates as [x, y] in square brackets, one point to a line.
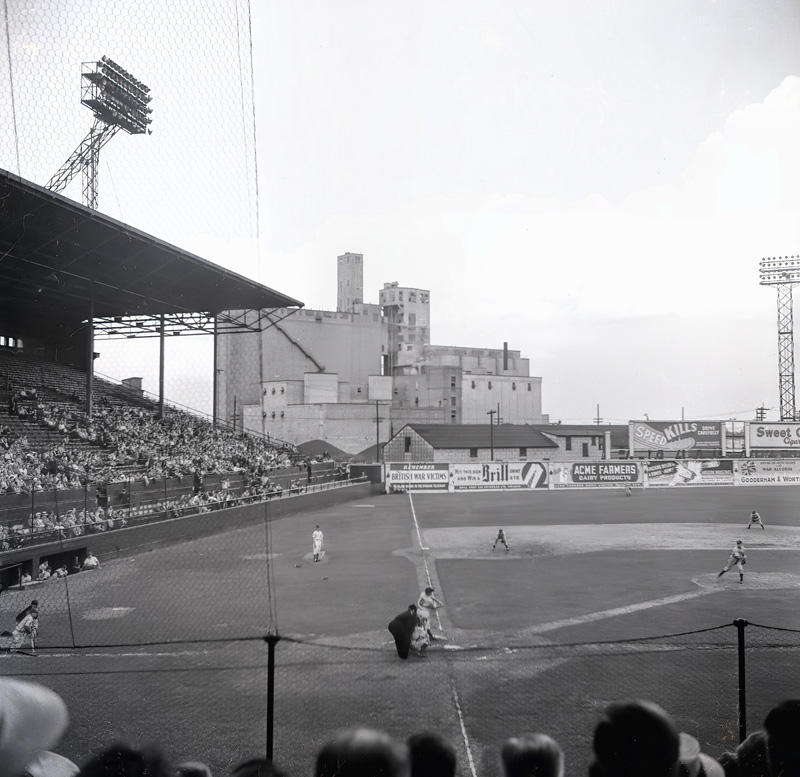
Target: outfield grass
[584, 566]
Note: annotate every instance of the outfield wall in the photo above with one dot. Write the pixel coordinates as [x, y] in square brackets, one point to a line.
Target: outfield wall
[648, 473]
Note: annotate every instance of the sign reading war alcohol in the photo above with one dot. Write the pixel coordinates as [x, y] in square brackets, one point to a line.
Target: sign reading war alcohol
[674, 435]
[771, 436]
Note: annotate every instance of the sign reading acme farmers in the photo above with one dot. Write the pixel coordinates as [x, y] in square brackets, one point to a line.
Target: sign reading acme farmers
[674, 435]
[785, 435]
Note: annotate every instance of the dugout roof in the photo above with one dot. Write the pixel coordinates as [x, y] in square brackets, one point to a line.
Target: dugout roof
[57, 255]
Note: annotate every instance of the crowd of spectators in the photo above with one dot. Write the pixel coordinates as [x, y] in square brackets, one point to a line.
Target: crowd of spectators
[631, 739]
[123, 442]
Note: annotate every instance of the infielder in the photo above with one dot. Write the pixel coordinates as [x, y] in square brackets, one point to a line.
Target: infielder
[755, 518]
[25, 630]
[316, 542]
[501, 537]
[737, 558]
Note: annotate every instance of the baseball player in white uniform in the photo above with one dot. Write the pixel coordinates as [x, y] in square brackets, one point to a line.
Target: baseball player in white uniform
[738, 558]
[316, 541]
[755, 518]
[426, 604]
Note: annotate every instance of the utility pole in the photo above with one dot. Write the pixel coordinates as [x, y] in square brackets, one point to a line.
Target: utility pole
[377, 433]
[597, 419]
[491, 413]
[761, 413]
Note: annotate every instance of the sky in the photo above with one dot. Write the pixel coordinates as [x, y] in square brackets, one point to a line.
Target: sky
[592, 182]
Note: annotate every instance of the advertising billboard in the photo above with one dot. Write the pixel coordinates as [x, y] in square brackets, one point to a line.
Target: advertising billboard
[674, 435]
[406, 476]
[496, 474]
[773, 436]
[594, 473]
[767, 472]
[690, 472]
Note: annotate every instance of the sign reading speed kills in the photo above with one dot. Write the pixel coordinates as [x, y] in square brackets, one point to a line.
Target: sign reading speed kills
[674, 435]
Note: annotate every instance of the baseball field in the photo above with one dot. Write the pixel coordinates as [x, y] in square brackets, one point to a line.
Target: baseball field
[599, 597]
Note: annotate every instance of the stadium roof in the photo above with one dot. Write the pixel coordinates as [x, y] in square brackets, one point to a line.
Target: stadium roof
[56, 255]
[619, 432]
[482, 436]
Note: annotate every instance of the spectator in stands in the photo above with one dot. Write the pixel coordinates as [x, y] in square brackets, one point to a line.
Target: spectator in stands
[531, 755]
[772, 752]
[44, 570]
[61, 571]
[694, 763]
[431, 755]
[91, 561]
[635, 738]
[362, 752]
[33, 720]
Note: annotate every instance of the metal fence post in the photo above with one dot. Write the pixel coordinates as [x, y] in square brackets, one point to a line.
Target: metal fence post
[741, 624]
[271, 640]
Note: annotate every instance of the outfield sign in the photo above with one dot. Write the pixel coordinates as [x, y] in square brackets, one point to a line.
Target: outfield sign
[690, 472]
[497, 474]
[674, 435]
[408, 476]
[594, 473]
[767, 472]
[772, 436]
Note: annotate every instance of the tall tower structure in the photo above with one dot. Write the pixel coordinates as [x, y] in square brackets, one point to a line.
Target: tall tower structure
[350, 281]
[783, 273]
[118, 101]
[408, 316]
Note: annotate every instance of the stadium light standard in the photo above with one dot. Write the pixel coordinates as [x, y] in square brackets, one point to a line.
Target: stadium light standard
[783, 273]
[491, 413]
[118, 101]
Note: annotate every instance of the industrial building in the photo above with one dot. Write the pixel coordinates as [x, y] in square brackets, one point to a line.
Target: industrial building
[353, 376]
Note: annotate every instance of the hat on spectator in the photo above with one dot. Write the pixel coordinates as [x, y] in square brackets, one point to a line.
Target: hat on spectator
[695, 761]
[49, 764]
[32, 719]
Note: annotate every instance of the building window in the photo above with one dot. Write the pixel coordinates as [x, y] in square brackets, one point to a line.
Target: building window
[416, 401]
[513, 386]
[529, 387]
[281, 389]
[523, 453]
[412, 319]
[281, 413]
[585, 449]
[452, 401]
[409, 347]
[358, 390]
[273, 389]
[452, 415]
[594, 442]
[473, 453]
[473, 384]
[407, 445]
[452, 381]
[568, 443]
[412, 296]
[395, 390]
[490, 385]
[273, 414]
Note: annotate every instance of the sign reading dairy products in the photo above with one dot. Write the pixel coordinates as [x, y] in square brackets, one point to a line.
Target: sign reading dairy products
[407, 476]
[594, 473]
[675, 435]
[496, 474]
[771, 436]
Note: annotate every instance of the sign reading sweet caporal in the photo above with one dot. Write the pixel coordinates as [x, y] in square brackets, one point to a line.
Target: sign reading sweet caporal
[772, 436]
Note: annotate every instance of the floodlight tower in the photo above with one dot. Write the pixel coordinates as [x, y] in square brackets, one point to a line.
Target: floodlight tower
[118, 101]
[783, 273]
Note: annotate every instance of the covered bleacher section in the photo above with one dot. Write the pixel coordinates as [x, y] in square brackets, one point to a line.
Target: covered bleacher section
[80, 454]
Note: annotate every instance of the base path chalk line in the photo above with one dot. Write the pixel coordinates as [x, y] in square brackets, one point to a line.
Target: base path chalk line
[456, 700]
[708, 586]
